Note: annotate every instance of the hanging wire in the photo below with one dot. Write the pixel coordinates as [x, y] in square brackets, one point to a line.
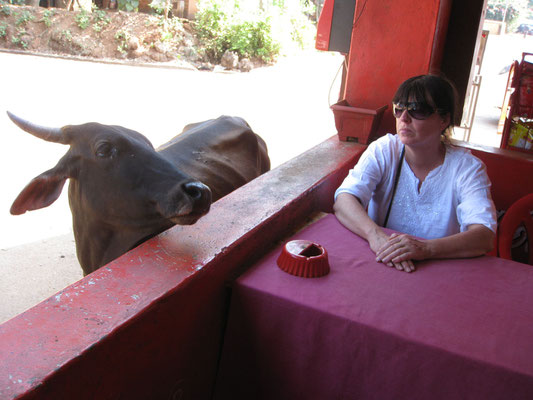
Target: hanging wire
[343, 63]
[360, 14]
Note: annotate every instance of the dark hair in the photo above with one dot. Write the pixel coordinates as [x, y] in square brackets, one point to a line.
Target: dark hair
[433, 90]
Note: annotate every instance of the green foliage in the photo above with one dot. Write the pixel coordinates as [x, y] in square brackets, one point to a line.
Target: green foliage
[159, 6]
[17, 39]
[47, 17]
[496, 12]
[3, 30]
[24, 17]
[5, 10]
[122, 38]
[529, 9]
[512, 10]
[240, 27]
[168, 27]
[67, 35]
[128, 5]
[253, 39]
[99, 19]
[222, 26]
[292, 23]
[83, 19]
[100, 16]
[166, 36]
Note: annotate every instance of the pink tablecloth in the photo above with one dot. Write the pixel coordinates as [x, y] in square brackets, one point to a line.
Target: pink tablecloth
[454, 329]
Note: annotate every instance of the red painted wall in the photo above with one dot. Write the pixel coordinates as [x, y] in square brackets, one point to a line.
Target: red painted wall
[392, 40]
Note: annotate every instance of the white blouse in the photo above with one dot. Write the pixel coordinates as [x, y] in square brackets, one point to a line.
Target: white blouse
[453, 196]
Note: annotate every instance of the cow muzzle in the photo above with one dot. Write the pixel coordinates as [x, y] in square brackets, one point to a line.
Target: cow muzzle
[198, 192]
[192, 202]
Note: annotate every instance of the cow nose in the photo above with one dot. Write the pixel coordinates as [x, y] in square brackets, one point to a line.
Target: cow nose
[197, 191]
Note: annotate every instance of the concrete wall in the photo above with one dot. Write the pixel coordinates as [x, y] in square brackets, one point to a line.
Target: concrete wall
[494, 27]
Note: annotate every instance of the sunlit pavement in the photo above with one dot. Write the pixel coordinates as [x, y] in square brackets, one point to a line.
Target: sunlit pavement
[287, 104]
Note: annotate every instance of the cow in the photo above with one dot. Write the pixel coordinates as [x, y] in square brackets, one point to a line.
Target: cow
[122, 191]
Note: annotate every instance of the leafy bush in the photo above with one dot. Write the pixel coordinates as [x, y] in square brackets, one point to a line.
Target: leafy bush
[5, 10]
[83, 19]
[122, 38]
[47, 17]
[100, 19]
[496, 12]
[128, 5]
[18, 38]
[211, 26]
[159, 6]
[292, 25]
[498, 9]
[67, 35]
[227, 25]
[100, 16]
[253, 39]
[23, 18]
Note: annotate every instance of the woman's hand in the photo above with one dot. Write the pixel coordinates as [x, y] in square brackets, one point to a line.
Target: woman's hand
[380, 243]
[402, 249]
[353, 216]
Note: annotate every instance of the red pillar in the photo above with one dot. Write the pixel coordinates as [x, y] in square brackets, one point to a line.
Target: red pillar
[393, 40]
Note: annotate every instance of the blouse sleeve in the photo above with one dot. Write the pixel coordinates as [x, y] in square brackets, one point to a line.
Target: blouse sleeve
[369, 171]
[475, 202]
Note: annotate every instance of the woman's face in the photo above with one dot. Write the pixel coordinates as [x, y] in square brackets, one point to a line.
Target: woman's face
[418, 132]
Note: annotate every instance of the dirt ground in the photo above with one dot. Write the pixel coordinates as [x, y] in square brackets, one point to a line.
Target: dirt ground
[101, 35]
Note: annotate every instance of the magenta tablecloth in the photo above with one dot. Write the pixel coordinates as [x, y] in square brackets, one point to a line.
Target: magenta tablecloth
[454, 329]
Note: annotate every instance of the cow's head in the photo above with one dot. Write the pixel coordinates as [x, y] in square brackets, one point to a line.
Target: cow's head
[118, 182]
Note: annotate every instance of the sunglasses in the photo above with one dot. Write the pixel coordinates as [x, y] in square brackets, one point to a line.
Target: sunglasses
[415, 110]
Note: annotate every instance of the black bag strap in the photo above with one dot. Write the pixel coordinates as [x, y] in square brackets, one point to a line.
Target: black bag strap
[396, 179]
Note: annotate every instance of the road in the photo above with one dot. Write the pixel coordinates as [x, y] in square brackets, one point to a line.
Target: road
[287, 104]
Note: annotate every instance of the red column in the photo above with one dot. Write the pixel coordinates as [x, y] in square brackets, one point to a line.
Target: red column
[392, 40]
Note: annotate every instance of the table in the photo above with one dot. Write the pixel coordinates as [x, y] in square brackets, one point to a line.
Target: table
[454, 329]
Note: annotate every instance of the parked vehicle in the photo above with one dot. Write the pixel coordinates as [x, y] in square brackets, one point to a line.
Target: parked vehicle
[526, 29]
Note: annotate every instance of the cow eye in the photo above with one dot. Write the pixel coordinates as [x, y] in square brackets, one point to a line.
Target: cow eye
[105, 150]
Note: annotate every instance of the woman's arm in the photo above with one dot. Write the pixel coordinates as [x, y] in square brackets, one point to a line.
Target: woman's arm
[475, 241]
[353, 216]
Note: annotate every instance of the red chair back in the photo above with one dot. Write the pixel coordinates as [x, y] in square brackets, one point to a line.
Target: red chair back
[518, 213]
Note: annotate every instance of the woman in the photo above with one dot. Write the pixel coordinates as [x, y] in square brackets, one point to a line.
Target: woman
[414, 182]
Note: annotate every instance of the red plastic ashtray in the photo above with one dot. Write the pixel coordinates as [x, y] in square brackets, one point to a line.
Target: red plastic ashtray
[304, 258]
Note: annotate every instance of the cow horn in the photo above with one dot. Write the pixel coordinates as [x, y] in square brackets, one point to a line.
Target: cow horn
[42, 132]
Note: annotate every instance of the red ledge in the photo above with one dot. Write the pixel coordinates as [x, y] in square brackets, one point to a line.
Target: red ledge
[150, 324]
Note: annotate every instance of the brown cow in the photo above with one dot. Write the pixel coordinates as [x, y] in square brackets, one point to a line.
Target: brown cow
[122, 191]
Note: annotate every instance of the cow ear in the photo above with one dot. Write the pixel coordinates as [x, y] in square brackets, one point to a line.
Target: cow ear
[42, 191]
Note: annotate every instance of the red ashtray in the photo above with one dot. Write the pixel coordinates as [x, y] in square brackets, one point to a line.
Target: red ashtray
[304, 258]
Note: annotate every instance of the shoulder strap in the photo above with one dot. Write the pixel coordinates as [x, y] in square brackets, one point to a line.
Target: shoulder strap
[396, 179]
